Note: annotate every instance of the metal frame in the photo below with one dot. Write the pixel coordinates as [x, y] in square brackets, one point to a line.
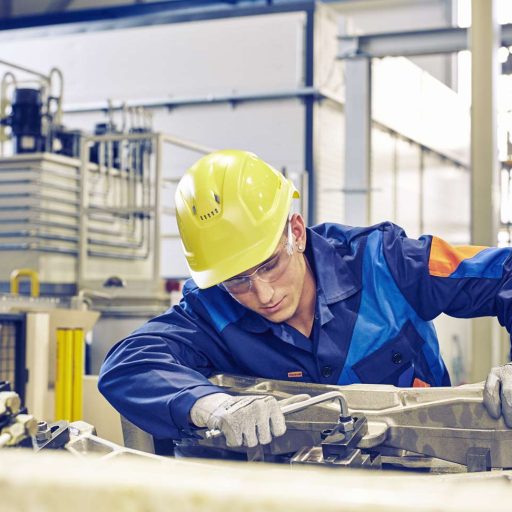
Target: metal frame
[413, 43]
[18, 320]
[140, 14]
[151, 208]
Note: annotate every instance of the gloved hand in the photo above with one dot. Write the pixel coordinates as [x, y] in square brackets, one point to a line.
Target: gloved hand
[244, 420]
[498, 393]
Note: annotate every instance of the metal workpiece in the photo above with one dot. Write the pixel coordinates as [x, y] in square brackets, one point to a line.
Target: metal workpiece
[450, 424]
[10, 403]
[447, 429]
[84, 443]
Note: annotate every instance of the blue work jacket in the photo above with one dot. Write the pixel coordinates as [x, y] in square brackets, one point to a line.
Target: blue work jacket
[377, 292]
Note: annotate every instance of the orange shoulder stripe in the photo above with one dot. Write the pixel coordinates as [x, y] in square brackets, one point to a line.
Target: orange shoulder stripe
[445, 258]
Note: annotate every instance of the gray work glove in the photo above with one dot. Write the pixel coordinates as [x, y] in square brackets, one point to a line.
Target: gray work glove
[244, 420]
[498, 393]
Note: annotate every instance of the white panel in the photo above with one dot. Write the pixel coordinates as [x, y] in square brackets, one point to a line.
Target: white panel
[454, 336]
[446, 200]
[360, 17]
[420, 107]
[329, 162]
[408, 188]
[98, 412]
[188, 59]
[329, 71]
[383, 179]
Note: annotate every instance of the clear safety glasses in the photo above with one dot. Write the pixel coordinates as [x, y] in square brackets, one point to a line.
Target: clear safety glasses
[268, 272]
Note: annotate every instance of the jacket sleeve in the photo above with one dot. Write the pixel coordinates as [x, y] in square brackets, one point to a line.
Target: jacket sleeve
[154, 376]
[461, 281]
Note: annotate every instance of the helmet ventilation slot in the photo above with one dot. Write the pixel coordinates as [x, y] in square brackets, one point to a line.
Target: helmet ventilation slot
[209, 215]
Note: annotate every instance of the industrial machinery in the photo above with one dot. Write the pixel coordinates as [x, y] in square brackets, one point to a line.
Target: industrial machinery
[89, 213]
[435, 430]
[438, 430]
[16, 426]
[32, 111]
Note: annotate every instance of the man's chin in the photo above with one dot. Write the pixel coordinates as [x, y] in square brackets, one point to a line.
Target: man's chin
[277, 317]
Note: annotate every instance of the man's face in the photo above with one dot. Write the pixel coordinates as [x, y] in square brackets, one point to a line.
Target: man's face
[280, 299]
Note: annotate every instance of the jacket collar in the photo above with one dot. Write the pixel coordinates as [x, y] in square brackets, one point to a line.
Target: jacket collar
[330, 261]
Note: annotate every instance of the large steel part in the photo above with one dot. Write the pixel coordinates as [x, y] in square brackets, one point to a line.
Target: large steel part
[445, 423]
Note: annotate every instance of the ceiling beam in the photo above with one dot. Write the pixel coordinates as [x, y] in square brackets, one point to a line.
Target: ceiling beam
[419, 42]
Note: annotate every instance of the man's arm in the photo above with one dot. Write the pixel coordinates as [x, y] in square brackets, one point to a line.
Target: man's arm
[461, 281]
[157, 378]
[155, 375]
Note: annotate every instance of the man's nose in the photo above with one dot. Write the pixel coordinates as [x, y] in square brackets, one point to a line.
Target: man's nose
[263, 291]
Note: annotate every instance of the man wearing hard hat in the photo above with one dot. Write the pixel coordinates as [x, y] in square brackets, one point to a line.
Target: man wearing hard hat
[271, 298]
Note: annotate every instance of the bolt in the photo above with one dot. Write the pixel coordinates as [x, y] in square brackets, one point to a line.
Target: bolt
[346, 423]
[43, 432]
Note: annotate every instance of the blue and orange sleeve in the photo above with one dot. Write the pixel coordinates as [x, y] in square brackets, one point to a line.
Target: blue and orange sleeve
[460, 280]
[459, 261]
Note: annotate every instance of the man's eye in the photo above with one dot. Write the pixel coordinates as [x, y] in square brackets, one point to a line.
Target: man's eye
[237, 280]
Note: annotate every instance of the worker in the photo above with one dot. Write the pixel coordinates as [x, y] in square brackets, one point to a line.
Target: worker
[272, 298]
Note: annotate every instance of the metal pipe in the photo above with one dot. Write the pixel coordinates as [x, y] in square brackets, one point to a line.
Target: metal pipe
[83, 219]
[210, 99]
[58, 98]
[24, 69]
[4, 102]
[157, 208]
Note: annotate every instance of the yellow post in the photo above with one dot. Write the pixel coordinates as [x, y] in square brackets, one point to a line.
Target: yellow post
[68, 374]
[59, 374]
[78, 372]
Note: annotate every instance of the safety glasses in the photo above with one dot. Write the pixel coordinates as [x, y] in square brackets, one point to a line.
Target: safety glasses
[268, 272]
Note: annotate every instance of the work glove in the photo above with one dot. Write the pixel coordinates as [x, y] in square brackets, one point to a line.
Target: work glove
[244, 420]
[498, 393]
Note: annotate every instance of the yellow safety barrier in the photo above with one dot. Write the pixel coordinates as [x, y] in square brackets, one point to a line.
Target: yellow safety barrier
[60, 374]
[24, 272]
[78, 373]
[69, 374]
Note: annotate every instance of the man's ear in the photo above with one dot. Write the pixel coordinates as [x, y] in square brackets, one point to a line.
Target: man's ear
[298, 229]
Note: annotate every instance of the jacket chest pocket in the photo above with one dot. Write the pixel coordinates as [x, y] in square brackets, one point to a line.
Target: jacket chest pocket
[398, 362]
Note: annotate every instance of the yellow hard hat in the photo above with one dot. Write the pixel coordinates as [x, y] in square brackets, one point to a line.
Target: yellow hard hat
[231, 209]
